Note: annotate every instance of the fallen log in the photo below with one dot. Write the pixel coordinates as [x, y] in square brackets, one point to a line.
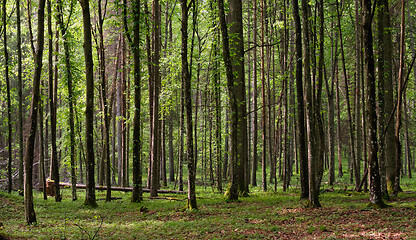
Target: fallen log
[120, 189]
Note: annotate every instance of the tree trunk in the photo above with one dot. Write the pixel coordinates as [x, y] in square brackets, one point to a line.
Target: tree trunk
[68, 76]
[301, 108]
[331, 111]
[53, 105]
[254, 117]
[89, 106]
[155, 124]
[384, 94]
[170, 145]
[263, 96]
[375, 188]
[9, 106]
[311, 117]
[400, 92]
[236, 91]
[358, 65]
[217, 96]
[29, 155]
[20, 93]
[355, 165]
[186, 79]
[42, 176]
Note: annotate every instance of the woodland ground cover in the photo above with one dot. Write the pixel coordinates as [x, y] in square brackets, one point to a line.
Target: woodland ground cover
[271, 215]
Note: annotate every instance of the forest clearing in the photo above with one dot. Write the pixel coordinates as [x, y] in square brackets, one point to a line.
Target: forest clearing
[271, 215]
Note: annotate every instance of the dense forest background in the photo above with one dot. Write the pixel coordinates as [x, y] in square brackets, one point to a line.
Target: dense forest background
[164, 94]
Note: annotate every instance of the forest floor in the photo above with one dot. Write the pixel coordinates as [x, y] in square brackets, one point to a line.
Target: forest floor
[272, 215]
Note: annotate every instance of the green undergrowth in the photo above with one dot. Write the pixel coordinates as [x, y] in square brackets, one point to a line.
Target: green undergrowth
[274, 214]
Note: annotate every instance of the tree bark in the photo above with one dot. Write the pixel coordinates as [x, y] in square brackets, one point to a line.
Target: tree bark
[355, 165]
[20, 93]
[68, 76]
[400, 91]
[254, 117]
[385, 104]
[301, 107]
[186, 79]
[311, 117]
[263, 96]
[53, 105]
[29, 155]
[155, 124]
[9, 106]
[375, 188]
[90, 199]
[236, 91]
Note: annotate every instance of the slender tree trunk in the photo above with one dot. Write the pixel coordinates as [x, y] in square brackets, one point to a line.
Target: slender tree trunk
[170, 144]
[53, 106]
[89, 107]
[318, 99]
[225, 170]
[68, 76]
[137, 163]
[9, 106]
[186, 79]
[155, 137]
[400, 93]
[408, 155]
[29, 155]
[331, 111]
[355, 165]
[20, 94]
[217, 94]
[263, 95]
[358, 65]
[301, 108]
[339, 146]
[42, 177]
[254, 118]
[181, 143]
[163, 153]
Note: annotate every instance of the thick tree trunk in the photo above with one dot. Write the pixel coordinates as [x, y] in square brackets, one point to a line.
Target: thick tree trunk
[236, 91]
[29, 155]
[375, 188]
[311, 118]
[89, 107]
[385, 104]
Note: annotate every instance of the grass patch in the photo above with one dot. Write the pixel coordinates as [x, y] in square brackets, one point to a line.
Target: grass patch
[261, 215]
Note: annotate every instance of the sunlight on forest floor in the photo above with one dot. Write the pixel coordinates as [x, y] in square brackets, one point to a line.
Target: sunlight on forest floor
[269, 215]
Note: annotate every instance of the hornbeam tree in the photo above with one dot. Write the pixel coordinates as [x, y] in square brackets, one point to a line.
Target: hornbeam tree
[30, 150]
